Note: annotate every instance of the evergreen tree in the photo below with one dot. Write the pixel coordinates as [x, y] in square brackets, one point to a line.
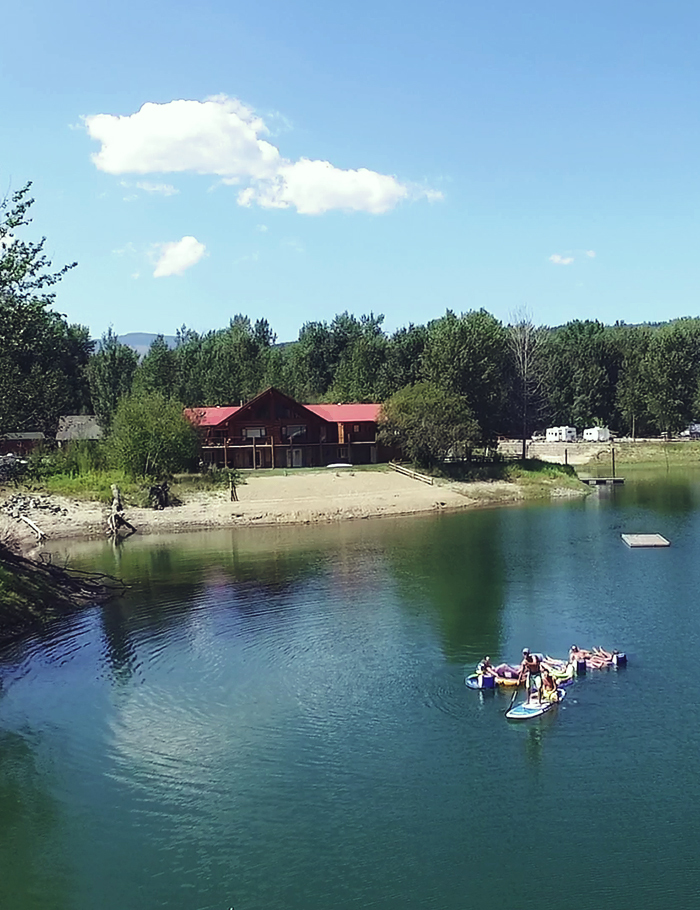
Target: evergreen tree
[111, 372]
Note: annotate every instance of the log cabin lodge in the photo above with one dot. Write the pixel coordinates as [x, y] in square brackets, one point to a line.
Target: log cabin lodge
[274, 431]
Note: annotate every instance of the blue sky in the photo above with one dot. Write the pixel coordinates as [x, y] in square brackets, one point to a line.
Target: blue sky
[395, 157]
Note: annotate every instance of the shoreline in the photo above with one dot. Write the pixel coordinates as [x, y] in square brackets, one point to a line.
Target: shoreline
[299, 499]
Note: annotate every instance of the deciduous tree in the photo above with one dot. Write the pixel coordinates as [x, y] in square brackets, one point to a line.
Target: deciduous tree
[428, 423]
[150, 436]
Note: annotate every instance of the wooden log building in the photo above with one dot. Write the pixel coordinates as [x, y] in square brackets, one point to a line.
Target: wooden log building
[274, 431]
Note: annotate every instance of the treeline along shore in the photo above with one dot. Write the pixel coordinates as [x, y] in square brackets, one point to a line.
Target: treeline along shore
[470, 376]
[511, 379]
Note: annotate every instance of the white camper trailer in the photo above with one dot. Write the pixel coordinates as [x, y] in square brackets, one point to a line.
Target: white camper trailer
[561, 434]
[596, 434]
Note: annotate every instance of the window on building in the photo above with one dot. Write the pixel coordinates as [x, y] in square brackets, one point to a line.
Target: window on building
[254, 432]
[356, 428]
[298, 429]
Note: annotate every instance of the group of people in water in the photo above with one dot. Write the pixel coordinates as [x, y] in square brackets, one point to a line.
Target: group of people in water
[541, 674]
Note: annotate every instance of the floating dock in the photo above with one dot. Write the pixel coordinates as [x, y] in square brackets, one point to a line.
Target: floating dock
[601, 481]
[645, 540]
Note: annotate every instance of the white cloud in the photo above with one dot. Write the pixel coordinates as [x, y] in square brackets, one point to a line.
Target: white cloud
[128, 248]
[261, 228]
[317, 186]
[590, 254]
[222, 136]
[561, 260]
[163, 189]
[175, 258]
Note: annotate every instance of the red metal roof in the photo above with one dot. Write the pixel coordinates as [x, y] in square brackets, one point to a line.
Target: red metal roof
[346, 413]
[209, 417]
[333, 413]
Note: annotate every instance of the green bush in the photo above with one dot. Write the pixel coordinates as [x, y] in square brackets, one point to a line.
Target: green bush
[79, 457]
[150, 437]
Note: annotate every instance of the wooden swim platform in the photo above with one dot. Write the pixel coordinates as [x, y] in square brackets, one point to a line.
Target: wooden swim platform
[601, 481]
[645, 540]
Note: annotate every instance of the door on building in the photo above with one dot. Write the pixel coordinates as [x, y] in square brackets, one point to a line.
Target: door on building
[297, 456]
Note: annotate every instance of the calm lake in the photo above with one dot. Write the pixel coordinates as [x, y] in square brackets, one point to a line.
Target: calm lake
[277, 719]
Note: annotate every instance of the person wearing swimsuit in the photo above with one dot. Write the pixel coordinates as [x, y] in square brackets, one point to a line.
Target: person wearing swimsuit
[531, 672]
[549, 686]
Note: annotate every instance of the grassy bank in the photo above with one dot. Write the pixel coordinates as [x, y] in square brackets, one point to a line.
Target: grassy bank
[656, 452]
[530, 473]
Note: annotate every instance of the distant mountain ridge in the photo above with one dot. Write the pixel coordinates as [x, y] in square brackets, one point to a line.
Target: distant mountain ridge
[141, 341]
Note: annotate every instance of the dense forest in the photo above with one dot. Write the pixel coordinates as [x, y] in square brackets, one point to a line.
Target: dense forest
[509, 379]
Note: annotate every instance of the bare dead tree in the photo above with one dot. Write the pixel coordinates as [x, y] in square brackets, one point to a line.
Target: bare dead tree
[117, 518]
[527, 342]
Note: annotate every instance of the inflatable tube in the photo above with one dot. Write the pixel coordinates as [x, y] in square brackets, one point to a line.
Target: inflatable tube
[482, 683]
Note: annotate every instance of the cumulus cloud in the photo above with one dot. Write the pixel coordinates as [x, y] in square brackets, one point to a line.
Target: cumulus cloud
[175, 258]
[561, 260]
[223, 137]
[314, 187]
[590, 254]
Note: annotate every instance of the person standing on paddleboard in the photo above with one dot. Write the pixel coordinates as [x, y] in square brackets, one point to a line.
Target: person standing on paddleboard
[531, 672]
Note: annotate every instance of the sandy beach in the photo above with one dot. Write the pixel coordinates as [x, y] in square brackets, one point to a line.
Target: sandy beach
[303, 498]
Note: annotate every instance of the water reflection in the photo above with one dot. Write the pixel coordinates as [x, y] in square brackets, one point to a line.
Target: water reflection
[670, 491]
[121, 653]
[33, 871]
[455, 566]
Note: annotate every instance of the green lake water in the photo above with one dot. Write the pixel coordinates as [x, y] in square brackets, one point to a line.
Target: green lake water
[277, 719]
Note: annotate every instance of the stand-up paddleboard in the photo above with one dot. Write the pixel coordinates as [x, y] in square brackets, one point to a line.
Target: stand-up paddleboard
[527, 709]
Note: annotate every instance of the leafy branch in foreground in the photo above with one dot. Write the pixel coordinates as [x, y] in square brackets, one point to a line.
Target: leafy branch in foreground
[42, 358]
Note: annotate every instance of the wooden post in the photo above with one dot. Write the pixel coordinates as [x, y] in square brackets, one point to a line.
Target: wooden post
[566, 456]
[612, 449]
[225, 451]
[255, 456]
[272, 444]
